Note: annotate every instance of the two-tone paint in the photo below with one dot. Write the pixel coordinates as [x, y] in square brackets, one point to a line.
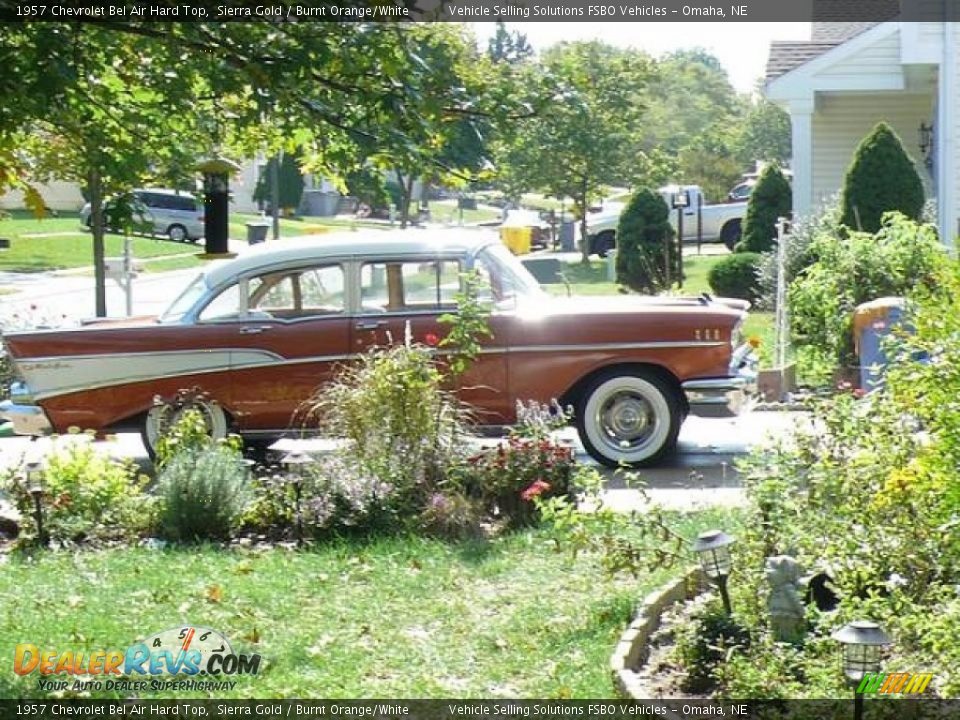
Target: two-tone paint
[105, 375]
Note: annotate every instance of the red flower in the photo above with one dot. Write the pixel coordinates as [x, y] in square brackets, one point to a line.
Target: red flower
[859, 393]
[537, 487]
[431, 339]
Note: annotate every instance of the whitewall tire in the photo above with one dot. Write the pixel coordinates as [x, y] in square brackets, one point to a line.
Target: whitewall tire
[160, 418]
[629, 418]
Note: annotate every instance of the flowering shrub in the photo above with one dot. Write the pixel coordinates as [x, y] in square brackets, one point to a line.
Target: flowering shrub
[529, 464]
[866, 497]
[86, 495]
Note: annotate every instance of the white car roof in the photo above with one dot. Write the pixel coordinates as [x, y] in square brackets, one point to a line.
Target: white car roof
[359, 244]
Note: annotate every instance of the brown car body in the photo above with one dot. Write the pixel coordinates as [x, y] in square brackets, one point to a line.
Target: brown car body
[260, 363]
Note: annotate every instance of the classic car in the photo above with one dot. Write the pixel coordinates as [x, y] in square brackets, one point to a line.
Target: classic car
[258, 334]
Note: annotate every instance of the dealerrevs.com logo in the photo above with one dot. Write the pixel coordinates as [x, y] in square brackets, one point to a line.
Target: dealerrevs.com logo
[168, 660]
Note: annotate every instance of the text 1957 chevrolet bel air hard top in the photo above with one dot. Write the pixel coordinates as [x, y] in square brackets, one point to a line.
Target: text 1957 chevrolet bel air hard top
[258, 334]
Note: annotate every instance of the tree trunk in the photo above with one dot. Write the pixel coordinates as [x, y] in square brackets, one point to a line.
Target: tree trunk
[96, 225]
[584, 240]
[407, 188]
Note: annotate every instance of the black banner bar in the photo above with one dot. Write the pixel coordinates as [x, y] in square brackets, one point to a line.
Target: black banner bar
[875, 708]
[861, 11]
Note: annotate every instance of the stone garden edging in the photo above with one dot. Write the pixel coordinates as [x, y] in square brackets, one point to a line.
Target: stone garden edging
[633, 648]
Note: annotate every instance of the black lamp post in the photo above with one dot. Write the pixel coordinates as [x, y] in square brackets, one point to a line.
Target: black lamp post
[926, 143]
[680, 202]
[34, 476]
[862, 643]
[713, 549]
[293, 463]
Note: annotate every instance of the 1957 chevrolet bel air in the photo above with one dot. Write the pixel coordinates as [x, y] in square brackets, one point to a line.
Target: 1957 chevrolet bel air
[258, 334]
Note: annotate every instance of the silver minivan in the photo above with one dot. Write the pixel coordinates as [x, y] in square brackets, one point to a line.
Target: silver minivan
[177, 215]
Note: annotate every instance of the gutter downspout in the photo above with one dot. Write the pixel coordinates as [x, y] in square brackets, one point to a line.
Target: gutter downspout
[946, 160]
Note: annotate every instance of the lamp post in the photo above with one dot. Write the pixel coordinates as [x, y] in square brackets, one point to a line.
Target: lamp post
[293, 463]
[862, 642]
[34, 476]
[926, 143]
[680, 202]
[713, 549]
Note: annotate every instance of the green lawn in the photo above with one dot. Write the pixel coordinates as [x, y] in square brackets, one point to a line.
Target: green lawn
[401, 617]
[55, 243]
[446, 211]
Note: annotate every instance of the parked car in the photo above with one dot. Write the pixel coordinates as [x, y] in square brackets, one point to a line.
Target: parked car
[259, 333]
[175, 214]
[719, 223]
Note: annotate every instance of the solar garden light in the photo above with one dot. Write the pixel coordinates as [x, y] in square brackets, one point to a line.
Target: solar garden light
[862, 643]
[34, 472]
[713, 549]
[293, 463]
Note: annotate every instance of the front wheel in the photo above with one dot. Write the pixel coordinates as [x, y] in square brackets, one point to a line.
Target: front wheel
[161, 418]
[605, 242]
[177, 233]
[730, 234]
[629, 418]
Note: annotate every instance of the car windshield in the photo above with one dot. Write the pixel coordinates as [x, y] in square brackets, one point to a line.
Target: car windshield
[186, 300]
[509, 280]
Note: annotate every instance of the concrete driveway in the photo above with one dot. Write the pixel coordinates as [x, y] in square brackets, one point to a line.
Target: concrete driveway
[701, 474]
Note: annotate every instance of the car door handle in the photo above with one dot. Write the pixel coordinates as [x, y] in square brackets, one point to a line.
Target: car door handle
[256, 330]
[371, 324]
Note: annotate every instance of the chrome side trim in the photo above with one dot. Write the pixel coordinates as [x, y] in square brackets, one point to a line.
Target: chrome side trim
[604, 347]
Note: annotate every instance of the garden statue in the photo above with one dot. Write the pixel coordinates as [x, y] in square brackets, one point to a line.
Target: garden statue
[787, 614]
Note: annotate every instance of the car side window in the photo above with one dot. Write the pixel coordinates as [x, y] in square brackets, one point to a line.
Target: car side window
[304, 292]
[409, 286]
[225, 306]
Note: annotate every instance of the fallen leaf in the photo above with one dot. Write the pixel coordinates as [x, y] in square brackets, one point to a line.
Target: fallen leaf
[253, 636]
[214, 594]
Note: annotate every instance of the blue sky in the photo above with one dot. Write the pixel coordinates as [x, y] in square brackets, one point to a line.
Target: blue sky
[740, 47]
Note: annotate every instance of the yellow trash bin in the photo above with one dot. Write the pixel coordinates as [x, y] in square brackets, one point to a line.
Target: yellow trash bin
[517, 239]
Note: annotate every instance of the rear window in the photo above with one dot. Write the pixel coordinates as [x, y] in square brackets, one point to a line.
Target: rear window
[163, 201]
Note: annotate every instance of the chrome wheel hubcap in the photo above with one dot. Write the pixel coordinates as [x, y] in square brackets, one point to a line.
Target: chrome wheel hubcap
[627, 421]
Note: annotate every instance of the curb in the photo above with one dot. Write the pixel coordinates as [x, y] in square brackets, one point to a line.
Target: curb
[632, 650]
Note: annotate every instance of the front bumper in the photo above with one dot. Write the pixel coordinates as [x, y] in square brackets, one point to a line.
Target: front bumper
[726, 396]
[27, 418]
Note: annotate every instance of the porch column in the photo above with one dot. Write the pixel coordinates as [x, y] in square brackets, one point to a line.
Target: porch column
[801, 127]
[944, 143]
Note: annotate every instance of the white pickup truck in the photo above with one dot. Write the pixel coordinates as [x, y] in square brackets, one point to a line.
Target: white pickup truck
[720, 223]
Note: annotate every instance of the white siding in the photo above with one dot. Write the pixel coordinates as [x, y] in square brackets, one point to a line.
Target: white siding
[951, 227]
[880, 58]
[841, 121]
[57, 195]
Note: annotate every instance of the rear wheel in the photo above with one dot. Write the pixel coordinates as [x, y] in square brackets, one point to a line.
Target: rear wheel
[730, 234]
[605, 242]
[161, 418]
[630, 418]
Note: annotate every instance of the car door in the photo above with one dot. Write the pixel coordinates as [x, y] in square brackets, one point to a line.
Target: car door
[408, 296]
[290, 330]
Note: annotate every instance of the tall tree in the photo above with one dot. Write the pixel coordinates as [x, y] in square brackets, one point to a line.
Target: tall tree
[99, 114]
[764, 134]
[508, 47]
[586, 138]
[123, 97]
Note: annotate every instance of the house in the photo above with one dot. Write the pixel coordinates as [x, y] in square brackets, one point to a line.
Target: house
[848, 77]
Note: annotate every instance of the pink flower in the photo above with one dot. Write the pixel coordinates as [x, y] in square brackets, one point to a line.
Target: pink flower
[859, 393]
[537, 488]
[431, 339]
